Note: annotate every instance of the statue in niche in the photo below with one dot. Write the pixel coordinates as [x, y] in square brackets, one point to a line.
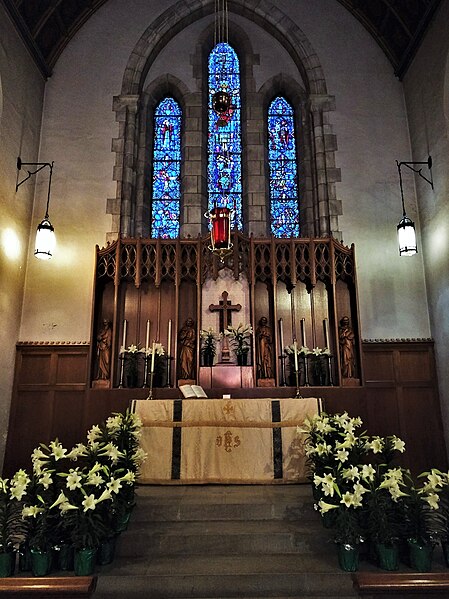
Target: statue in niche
[347, 356]
[104, 340]
[187, 342]
[264, 349]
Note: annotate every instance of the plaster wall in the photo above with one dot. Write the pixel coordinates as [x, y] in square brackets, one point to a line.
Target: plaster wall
[369, 121]
[21, 97]
[427, 95]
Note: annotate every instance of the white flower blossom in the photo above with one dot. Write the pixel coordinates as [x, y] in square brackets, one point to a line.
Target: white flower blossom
[114, 485]
[342, 455]
[78, 451]
[31, 511]
[89, 502]
[367, 473]
[57, 450]
[94, 433]
[73, 480]
[398, 444]
[326, 507]
[94, 479]
[433, 499]
[351, 473]
[376, 445]
[45, 480]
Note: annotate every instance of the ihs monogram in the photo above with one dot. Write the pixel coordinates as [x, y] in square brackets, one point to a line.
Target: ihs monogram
[228, 441]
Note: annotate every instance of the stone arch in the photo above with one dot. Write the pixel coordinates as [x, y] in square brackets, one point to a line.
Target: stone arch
[185, 12]
[127, 172]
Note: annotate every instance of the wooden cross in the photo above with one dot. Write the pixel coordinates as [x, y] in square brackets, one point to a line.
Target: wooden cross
[225, 309]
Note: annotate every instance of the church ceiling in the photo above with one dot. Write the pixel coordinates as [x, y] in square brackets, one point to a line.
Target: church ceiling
[47, 26]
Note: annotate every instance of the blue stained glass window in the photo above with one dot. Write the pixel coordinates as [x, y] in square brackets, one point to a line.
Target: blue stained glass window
[224, 134]
[283, 170]
[166, 170]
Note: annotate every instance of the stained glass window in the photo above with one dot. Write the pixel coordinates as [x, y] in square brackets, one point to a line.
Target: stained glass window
[166, 170]
[283, 170]
[224, 143]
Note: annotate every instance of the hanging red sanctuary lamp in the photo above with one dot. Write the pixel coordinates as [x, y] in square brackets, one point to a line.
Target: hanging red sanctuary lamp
[220, 232]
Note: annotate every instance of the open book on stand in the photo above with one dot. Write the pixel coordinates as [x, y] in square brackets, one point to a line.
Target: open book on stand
[190, 391]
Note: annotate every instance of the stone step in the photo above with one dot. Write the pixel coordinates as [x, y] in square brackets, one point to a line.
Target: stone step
[222, 538]
[198, 504]
[224, 541]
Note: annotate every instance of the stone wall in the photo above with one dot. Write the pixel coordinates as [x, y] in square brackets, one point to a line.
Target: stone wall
[21, 95]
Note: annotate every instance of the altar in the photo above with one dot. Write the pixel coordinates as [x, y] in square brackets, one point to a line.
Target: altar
[241, 441]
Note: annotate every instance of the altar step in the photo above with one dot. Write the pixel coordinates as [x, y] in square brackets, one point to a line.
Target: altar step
[219, 541]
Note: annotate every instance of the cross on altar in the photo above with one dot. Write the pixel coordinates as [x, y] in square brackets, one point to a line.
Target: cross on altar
[225, 309]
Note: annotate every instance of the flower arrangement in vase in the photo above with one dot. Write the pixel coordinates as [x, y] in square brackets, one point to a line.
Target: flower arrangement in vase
[131, 355]
[240, 337]
[209, 339]
[157, 364]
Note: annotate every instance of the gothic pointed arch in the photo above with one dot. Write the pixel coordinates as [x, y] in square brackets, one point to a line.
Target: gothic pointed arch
[127, 172]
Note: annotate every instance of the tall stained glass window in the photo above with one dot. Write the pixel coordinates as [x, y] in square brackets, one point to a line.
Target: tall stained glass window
[224, 144]
[166, 170]
[283, 170]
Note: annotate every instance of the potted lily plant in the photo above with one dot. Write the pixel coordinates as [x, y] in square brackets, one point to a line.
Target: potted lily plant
[131, 355]
[12, 525]
[209, 339]
[423, 520]
[343, 494]
[240, 341]
[384, 511]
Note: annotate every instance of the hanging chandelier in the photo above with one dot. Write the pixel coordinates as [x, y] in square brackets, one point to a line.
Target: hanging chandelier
[220, 230]
[221, 100]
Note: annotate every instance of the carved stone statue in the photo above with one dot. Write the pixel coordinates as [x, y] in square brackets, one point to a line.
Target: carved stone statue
[264, 350]
[187, 342]
[347, 356]
[104, 339]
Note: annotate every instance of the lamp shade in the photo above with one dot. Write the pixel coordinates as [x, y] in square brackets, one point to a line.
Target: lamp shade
[221, 228]
[45, 240]
[407, 237]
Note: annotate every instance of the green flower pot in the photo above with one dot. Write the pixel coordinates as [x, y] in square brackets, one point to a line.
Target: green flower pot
[106, 551]
[445, 547]
[122, 521]
[84, 563]
[387, 556]
[348, 557]
[64, 554]
[24, 558]
[7, 563]
[41, 562]
[420, 556]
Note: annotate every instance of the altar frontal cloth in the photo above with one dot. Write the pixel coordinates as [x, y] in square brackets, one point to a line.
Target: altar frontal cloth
[224, 440]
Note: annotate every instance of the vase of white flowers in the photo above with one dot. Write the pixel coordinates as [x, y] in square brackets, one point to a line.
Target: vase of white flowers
[240, 337]
[209, 340]
[131, 355]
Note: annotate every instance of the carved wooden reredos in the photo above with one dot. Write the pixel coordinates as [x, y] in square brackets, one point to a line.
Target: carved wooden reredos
[161, 280]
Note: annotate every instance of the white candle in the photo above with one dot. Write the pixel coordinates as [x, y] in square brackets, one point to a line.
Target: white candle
[281, 334]
[169, 339]
[326, 333]
[124, 333]
[147, 337]
[303, 332]
[295, 349]
[153, 352]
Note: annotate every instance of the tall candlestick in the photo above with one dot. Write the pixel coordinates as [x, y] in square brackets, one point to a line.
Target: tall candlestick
[124, 333]
[295, 349]
[281, 334]
[326, 333]
[303, 332]
[153, 352]
[147, 337]
[169, 338]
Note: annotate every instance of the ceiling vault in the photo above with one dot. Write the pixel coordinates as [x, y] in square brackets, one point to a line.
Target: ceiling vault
[47, 26]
